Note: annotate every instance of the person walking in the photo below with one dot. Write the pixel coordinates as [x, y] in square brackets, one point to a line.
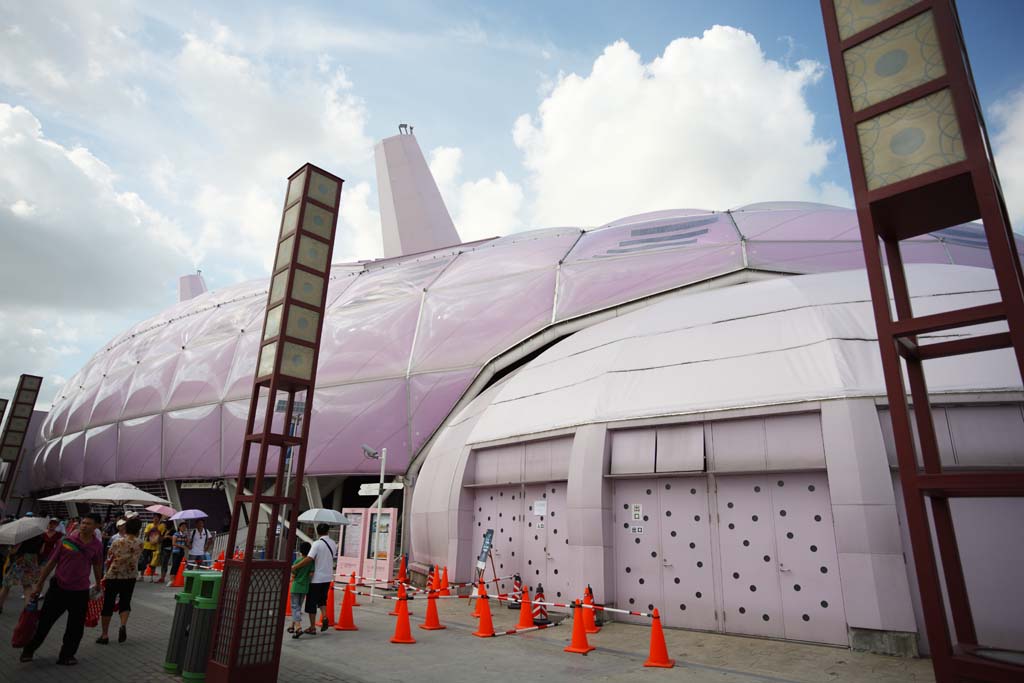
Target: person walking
[199, 542]
[150, 545]
[23, 569]
[322, 556]
[51, 537]
[69, 589]
[179, 546]
[119, 580]
[299, 591]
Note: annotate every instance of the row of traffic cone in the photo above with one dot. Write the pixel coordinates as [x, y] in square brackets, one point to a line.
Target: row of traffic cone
[584, 623]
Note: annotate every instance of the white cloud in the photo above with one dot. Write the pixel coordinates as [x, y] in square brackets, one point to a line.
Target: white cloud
[711, 123]
[72, 238]
[480, 208]
[1009, 151]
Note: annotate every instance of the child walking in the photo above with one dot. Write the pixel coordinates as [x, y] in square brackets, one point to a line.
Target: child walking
[300, 587]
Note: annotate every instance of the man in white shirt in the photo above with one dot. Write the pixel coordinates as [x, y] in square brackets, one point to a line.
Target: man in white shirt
[199, 540]
[324, 553]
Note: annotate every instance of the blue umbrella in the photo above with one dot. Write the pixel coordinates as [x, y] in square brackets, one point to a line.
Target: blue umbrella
[189, 514]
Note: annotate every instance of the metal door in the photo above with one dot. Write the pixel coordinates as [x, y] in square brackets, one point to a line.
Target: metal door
[750, 576]
[535, 539]
[508, 536]
[638, 583]
[687, 571]
[557, 528]
[812, 598]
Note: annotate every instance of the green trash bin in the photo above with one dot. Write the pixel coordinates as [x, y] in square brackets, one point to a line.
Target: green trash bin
[182, 620]
[200, 632]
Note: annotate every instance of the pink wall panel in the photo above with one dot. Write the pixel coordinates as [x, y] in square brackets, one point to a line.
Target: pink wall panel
[138, 449]
[101, 455]
[192, 443]
[633, 451]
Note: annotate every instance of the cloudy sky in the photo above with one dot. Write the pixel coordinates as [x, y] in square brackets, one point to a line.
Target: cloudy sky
[139, 142]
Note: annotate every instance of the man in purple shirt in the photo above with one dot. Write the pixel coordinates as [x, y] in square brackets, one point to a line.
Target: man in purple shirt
[69, 590]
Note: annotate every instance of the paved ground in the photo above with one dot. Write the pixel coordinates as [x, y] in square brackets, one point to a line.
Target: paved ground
[455, 656]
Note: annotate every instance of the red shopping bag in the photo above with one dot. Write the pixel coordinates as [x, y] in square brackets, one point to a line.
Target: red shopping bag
[92, 613]
[27, 623]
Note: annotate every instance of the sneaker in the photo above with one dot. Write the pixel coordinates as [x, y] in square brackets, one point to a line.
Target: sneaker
[67, 661]
[160, 580]
[26, 656]
[122, 634]
[103, 640]
[323, 625]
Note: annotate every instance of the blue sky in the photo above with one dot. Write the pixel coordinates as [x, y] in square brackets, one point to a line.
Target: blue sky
[142, 141]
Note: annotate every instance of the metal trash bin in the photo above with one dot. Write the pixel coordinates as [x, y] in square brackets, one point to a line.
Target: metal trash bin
[182, 620]
[200, 632]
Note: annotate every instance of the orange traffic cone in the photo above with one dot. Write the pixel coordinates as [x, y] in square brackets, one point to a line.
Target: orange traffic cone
[432, 623]
[345, 620]
[402, 600]
[525, 609]
[352, 582]
[402, 576]
[329, 607]
[219, 564]
[483, 606]
[179, 578]
[149, 571]
[589, 623]
[436, 584]
[445, 590]
[476, 604]
[403, 632]
[288, 602]
[579, 642]
[659, 653]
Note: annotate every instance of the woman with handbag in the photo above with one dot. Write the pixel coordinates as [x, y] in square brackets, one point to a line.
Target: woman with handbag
[119, 580]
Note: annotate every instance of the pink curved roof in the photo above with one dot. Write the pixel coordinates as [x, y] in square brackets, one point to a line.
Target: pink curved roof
[404, 338]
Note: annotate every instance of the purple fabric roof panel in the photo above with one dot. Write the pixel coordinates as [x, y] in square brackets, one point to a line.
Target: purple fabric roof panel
[51, 464]
[431, 397]
[100, 455]
[963, 255]
[37, 473]
[81, 408]
[111, 397]
[805, 257]
[367, 337]
[229, 320]
[138, 449]
[232, 436]
[588, 286]
[470, 324]
[372, 413]
[649, 235]
[72, 459]
[509, 255]
[243, 367]
[201, 374]
[192, 443]
[151, 386]
[820, 222]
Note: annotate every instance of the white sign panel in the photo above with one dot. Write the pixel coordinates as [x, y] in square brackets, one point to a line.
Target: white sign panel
[638, 512]
[637, 529]
[540, 507]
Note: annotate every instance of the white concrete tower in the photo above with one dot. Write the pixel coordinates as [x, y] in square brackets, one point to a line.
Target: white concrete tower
[412, 214]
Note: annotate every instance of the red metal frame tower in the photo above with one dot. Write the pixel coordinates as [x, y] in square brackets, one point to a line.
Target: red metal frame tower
[250, 616]
[920, 161]
[13, 438]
